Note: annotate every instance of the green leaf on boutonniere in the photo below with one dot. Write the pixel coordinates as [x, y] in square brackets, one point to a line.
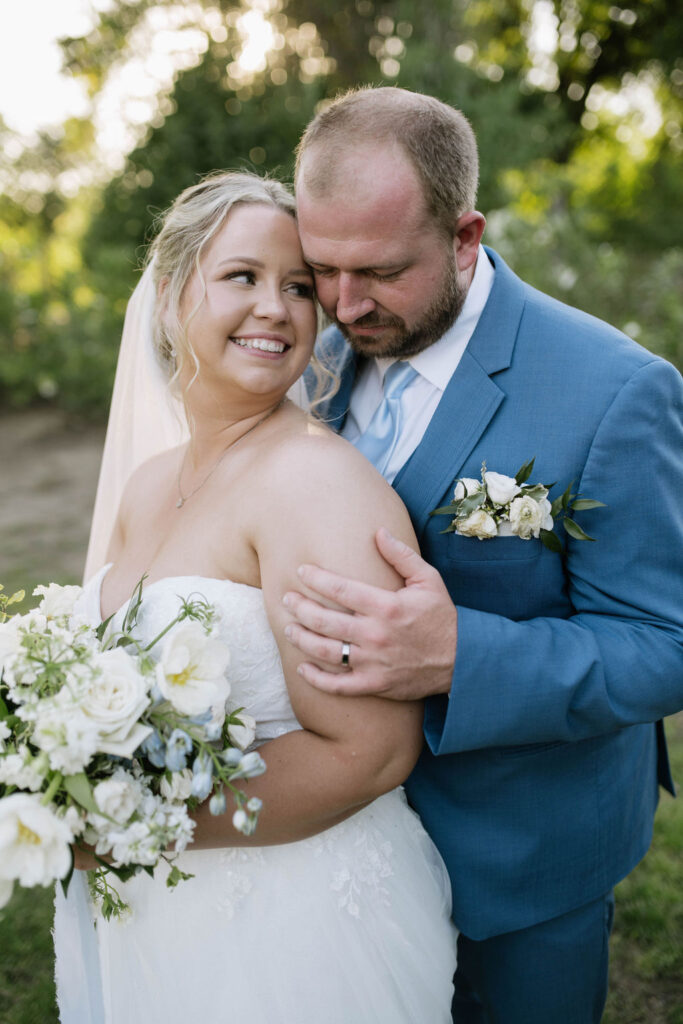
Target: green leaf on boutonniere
[574, 530]
[556, 507]
[443, 511]
[79, 789]
[466, 506]
[525, 471]
[583, 504]
[567, 496]
[537, 492]
[551, 541]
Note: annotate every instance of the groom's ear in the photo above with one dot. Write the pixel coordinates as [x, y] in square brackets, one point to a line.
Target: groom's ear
[469, 228]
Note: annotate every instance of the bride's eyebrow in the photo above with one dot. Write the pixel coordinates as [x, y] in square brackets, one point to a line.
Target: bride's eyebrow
[298, 271]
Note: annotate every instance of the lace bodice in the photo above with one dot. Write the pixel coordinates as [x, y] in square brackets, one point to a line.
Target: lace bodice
[257, 683]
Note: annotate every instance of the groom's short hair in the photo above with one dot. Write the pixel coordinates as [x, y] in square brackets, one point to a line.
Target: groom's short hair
[437, 139]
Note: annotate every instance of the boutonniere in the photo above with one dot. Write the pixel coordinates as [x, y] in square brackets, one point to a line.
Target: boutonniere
[504, 506]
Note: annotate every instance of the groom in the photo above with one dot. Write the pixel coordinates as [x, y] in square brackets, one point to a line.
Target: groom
[544, 674]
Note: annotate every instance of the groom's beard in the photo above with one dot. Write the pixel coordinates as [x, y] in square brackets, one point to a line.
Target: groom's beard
[399, 341]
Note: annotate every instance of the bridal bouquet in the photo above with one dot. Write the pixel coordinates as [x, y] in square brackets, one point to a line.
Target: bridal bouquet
[108, 744]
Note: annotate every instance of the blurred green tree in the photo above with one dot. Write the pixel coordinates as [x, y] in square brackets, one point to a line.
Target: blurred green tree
[576, 108]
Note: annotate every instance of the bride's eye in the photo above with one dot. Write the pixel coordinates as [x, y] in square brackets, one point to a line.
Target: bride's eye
[241, 276]
[301, 289]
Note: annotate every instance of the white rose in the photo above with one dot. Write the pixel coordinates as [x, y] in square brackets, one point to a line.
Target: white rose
[34, 842]
[479, 524]
[191, 670]
[467, 485]
[117, 798]
[5, 733]
[179, 787]
[501, 489]
[529, 517]
[242, 735]
[114, 701]
[57, 600]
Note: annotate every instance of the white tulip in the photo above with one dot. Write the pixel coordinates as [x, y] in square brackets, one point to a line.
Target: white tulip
[191, 670]
[34, 842]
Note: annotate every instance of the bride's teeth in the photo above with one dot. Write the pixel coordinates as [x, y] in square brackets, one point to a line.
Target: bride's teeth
[264, 344]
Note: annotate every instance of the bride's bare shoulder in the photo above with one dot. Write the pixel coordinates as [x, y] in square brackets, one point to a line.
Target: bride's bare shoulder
[145, 481]
[312, 469]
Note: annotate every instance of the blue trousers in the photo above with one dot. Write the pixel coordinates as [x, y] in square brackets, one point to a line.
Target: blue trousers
[551, 973]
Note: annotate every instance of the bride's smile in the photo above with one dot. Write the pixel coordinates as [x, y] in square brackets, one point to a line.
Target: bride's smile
[249, 312]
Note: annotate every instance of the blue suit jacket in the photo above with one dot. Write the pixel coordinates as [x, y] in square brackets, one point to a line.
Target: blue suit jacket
[538, 781]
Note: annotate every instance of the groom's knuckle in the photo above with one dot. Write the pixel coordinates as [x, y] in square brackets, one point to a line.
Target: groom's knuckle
[317, 622]
[378, 636]
[338, 590]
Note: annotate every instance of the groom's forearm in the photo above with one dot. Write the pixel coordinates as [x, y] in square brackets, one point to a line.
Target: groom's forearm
[554, 679]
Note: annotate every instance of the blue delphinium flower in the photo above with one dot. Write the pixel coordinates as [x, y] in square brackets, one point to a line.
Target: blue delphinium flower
[250, 765]
[178, 747]
[154, 750]
[213, 730]
[232, 756]
[202, 776]
[217, 803]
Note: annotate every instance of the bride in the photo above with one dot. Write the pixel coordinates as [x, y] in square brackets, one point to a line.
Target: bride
[337, 908]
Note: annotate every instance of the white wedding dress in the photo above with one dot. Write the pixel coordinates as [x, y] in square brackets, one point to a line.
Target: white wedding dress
[351, 926]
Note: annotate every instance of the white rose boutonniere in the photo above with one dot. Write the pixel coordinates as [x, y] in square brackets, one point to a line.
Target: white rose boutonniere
[499, 505]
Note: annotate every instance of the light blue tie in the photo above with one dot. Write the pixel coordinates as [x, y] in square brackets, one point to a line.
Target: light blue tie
[377, 443]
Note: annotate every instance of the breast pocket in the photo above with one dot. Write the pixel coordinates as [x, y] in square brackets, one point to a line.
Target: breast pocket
[455, 548]
[519, 579]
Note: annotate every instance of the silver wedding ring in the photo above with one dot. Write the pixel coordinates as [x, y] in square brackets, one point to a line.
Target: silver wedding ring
[346, 650]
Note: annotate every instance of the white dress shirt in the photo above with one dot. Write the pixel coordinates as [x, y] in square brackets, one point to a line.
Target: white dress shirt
[435, 366]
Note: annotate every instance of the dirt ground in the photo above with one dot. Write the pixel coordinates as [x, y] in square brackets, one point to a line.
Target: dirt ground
[48, 476]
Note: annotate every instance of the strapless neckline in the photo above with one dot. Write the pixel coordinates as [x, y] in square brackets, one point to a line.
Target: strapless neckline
[97, 581]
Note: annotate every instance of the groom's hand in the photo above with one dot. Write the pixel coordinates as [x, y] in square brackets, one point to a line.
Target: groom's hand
[401, 644]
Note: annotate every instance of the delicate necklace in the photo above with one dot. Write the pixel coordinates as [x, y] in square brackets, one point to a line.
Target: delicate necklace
[183, 498]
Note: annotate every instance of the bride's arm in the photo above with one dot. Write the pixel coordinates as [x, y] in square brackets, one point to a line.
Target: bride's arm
[322, 503]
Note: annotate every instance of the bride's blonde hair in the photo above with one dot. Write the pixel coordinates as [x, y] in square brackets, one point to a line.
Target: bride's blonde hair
[187, 227]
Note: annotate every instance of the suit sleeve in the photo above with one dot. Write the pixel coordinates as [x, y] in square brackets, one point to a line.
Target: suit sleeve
[618, 660]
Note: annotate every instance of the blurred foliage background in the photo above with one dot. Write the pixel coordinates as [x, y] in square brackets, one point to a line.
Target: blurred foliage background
[576, 105]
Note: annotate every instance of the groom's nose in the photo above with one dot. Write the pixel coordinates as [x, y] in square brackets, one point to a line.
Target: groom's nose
[353, 300]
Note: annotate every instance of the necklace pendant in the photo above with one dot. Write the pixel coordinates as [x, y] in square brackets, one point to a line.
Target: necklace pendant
[180, 502]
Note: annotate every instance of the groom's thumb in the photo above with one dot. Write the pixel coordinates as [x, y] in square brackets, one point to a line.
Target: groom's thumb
[405, 561]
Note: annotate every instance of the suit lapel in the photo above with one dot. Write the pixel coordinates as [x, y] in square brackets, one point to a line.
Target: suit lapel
[469, 402]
